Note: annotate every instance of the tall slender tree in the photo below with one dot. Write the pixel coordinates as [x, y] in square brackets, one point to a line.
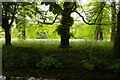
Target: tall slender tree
[113, 20]
[98, 35]
[117, 36]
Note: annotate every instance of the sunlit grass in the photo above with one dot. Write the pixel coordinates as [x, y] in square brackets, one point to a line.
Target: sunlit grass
[55, 44]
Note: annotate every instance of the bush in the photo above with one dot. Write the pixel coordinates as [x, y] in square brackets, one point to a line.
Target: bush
[48, 62]
[87, 65]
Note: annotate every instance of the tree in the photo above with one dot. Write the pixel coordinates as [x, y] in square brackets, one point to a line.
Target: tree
[8, 16]
[98, 35]
[24, 10]
[98, 31]
[117, 37]
[0, 14]
[66, 20]
[113, 20]
[97, 15]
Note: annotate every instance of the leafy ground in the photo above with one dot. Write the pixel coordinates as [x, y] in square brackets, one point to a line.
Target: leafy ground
[85, 60]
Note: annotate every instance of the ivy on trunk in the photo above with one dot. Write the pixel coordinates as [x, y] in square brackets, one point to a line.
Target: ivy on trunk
[66, 22]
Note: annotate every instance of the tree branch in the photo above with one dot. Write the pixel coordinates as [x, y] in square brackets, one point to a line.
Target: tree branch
[84, 19]
[75, 6]
[88, 22]
[53, 21]
[13, 15]
[102, 6]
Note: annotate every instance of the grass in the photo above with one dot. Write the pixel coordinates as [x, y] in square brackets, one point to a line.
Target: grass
[84, 56]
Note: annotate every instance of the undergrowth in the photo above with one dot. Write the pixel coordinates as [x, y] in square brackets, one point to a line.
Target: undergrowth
[88, 55]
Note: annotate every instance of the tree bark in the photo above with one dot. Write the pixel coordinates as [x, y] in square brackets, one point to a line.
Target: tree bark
[23, 29]
[65, 32]
[98, 35]
[65, 26]
[101, 35]
[113, 19]
[23, 33]
[6, 27]
[97, 30]
[117, 37]
[7, 36]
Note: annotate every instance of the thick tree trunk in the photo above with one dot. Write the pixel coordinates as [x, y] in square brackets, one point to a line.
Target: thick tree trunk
[7, 36]
[65, 37]
[65, 34]
[64, 42]
[113, 19]
[117, 37]
[6, 27]
[65, 26]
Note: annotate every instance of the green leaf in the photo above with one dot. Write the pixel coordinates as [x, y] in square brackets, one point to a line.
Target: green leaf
[56, 9]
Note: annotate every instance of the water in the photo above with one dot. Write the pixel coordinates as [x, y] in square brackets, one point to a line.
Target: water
[21, 78]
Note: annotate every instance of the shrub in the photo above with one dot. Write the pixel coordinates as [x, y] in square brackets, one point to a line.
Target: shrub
[87, 65]
[48, 62]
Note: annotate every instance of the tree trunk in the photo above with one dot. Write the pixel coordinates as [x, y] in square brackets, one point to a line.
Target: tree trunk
[7, 36]
[117, 37]
[6, 27]
[98, 32]
[23, 29]
[64, 42]
[23, 33]
[8, 13]
[66, 22]
[65, 34]
[113, 19]
[101, 35]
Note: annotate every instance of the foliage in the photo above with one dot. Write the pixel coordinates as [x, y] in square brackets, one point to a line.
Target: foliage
[48, 62]
[87, 65]
[55, 8]
[37, 30]
[82, 31]
[97, 12]
[34, 31]
[1, 32]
